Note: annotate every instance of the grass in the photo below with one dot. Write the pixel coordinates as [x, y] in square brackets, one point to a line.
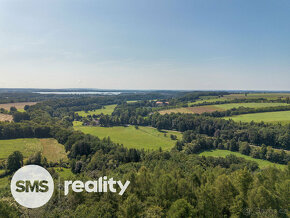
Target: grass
[269, 96]
[6, 117]
[190, 110]
[223, 153]
[107, 110]
[251, 105]
[219, 107]
[269, 117]
[144, 137]
[50, 148]
[4, 182]
[64, 173]
[19, 105]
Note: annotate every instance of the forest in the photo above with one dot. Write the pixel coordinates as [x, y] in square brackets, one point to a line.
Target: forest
[174, 183]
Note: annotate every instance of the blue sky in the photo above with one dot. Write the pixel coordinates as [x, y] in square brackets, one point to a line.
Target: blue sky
[152, 44]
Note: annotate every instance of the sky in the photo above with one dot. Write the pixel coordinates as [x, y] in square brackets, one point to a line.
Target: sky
[149, 44]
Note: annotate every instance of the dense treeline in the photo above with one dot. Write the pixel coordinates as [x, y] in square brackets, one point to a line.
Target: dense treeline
[193, 96]
[246, 110]
[172, 184]
[91, 153]
[256, 133]
[195, 143]
[243, 100]
[24, 130]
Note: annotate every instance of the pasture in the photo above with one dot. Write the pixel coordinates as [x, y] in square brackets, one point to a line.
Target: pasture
[223, 153]
[49, 148]
[191, 110]
[145, 137]
[19, 105]
[6, 117]
[250, 105]
[219, 107]
[268, 117]
[269, 96]
[107, 110]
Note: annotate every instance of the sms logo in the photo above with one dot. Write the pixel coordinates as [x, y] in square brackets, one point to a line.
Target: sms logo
[32, 186]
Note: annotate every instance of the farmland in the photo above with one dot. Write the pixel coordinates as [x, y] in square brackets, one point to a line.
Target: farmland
[19, 106]
[269, 117]
[191, 110]
[50, 148]
[251, 105]
[220, 107]
[108, 109]
[144, 137]
[224, 153]
[268, 96]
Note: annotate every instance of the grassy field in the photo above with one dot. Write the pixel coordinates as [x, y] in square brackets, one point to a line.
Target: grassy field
[108, 109]
[251, 105]
[6, 117]
[4, 182]
[144, 137]
[19, 106]
[64, 173]
[50, 148]
[191, 110]
[219, 107]
[224, 153]
[269, 96]
[269, 117]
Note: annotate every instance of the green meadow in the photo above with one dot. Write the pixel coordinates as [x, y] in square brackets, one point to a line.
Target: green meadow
[219, 107]
[49, 148]
[269, 117]
[108, 109]
[224, 153]
[250, 105]
[64, 173]
[269, 96]
[144, 137]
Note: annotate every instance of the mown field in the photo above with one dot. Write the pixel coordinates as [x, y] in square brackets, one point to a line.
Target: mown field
[269, 96]
[108, 109]
[144, 137]
[219, 107]
[269, 117]
[250, 105]
[191, 110]
[19, 105]
[50, 148]
[6, 117]
[223, 153]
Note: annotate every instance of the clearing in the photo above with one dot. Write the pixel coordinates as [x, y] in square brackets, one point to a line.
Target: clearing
[107, 110]
[269, 96]
[19, 105]
[223, 153]
[144, 137]
[6, 117]
[219, 107]
[50, 148]
[250, 105]
[282, 117]
[191, 110]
